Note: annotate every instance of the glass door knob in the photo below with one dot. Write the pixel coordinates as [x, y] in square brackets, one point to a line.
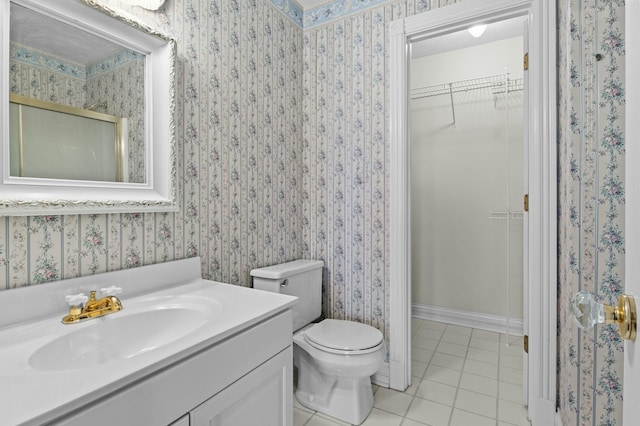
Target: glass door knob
[587, 313]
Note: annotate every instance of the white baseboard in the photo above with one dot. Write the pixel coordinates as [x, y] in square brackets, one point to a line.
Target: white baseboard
[487, 322]
[381, 377]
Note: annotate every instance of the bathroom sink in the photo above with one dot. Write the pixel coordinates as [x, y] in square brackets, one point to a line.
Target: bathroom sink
[136, 330]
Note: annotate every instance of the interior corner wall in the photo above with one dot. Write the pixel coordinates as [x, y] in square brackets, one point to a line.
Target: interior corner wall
[460, 175]
[591, 205]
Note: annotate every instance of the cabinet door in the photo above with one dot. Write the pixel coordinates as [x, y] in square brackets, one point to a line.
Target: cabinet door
[262, 397]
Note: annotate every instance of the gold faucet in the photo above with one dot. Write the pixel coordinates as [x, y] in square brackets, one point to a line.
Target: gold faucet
[83, 308]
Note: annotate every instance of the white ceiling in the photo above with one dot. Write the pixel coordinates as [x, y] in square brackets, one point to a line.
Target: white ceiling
[57, 38]
[496, 31]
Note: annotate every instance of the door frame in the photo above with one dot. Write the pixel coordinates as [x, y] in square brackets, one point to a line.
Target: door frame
[631, 411]
[542, 223]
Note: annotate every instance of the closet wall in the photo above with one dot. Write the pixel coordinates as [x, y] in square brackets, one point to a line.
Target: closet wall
[459, 184]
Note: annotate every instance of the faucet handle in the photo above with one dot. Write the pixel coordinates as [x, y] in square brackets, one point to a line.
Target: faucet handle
[76, 299]
[110, 291]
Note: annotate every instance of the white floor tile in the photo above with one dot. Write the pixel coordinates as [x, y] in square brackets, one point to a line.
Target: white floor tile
[434, 325]
[452, 349]
[422, 355]
[382, 418]
[418, 368]
[510, 375]
[464, 418]
[516, 340]
[486, 344]
[458, 339]
[510, 412]
[392, 401]
[429, 412]
[331, 419]
[477, 403]
[415, 383]
[510, 392]
[459, 329]
[424, 343]
[442, 375]
[514, 348]
[511, 361]
[437, 392]
[479, 384]
[447, 361]
[409, 422]
[318, 420]
[481, 368]
[482, 355]
[489, 335]
[429, 333]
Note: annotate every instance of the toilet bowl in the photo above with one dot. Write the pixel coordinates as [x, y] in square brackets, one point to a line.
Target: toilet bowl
[334, 378]
[335, 358]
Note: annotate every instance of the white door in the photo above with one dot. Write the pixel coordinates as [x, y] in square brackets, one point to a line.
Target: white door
[631, 408]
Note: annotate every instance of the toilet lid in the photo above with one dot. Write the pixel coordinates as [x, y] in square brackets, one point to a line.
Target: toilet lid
[344, 336]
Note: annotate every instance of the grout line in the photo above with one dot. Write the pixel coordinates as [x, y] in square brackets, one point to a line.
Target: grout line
[455, 398]
[414, 396]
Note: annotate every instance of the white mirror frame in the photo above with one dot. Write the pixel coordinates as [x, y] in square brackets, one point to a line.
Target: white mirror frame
[34, 196]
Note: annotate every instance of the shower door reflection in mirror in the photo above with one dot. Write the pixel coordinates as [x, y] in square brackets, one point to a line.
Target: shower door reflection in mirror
[54, 141]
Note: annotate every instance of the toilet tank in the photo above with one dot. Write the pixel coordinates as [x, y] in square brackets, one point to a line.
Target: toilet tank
[300, 278]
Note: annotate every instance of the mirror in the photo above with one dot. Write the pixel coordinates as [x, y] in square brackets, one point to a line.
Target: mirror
[88, 111]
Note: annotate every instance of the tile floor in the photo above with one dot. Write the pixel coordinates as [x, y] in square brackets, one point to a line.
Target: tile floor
[461, 377]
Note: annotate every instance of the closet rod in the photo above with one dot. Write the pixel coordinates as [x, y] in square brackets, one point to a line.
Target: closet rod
[495, 82]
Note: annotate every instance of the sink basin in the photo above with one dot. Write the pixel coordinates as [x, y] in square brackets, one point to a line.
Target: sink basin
[134, 331]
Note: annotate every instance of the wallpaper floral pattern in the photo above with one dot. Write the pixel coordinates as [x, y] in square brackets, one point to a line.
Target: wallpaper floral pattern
[345, 197]
[283, 153]
[591, 208]
[119, 83]
[239, 107]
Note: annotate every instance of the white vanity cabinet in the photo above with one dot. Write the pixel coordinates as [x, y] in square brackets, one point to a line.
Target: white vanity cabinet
[243, 380]
[262, 397]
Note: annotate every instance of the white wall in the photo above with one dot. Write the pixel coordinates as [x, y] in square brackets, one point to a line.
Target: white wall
[459, 176]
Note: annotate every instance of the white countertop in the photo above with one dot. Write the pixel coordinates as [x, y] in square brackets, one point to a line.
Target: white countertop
[32, 396]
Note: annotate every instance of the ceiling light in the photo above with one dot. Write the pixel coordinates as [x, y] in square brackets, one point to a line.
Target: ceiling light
[477, 30]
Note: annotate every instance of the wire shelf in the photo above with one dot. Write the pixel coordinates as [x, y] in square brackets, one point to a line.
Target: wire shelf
[495, 82]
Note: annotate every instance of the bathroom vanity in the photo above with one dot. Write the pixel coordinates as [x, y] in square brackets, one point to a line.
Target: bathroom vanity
[183, 351]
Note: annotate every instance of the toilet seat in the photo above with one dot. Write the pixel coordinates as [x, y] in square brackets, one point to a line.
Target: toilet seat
[344, 337]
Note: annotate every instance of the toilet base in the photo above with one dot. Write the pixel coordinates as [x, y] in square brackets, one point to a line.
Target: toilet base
[350, 402]
[349, 399]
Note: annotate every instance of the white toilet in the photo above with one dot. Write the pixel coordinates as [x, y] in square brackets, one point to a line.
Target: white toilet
[335, 358]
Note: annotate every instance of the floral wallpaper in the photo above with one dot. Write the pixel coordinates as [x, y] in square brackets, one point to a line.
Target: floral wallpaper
[118, 82]
[283, 153]
[591, 207]
[46, 78]
[239, 105]
[345, 198]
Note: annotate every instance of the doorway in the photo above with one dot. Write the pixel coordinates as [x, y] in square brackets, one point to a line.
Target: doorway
[468, 157]
[540, 250]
